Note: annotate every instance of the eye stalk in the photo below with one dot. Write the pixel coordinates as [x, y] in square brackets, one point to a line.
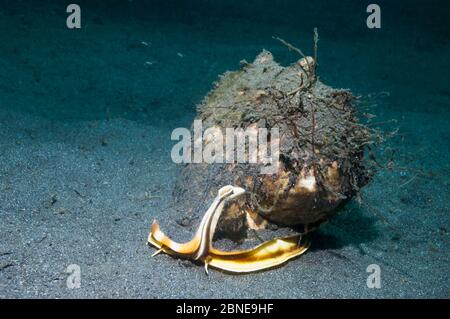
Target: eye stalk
[267, 255]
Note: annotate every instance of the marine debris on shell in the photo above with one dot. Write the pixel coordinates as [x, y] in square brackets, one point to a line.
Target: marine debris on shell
[322, 164]
[321, 147]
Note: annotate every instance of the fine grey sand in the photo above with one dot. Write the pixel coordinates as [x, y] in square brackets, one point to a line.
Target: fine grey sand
[85, 126]
[86, 192]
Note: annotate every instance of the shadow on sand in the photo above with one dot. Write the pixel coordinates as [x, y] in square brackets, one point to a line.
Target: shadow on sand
[352, 225]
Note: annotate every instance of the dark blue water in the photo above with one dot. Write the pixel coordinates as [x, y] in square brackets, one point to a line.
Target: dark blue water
[110, 93]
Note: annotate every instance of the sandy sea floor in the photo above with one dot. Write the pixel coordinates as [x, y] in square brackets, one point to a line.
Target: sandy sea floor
[85, 123]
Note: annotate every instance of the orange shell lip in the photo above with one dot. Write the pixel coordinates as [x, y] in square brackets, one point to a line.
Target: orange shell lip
[267, 255]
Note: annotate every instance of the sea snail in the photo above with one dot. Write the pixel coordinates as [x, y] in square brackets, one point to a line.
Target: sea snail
[267, 255]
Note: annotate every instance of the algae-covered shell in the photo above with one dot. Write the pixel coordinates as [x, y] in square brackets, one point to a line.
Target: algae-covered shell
[321, 147]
